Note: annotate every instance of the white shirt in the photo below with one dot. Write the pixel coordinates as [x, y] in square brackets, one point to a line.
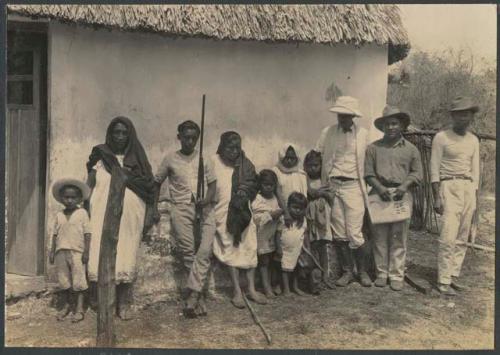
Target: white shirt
[182, 173]
[344, 163]
[70, 230]
[455, 155]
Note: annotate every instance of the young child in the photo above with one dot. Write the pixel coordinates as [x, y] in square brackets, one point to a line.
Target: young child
[318, 212]
[71, 243]
[290, 177]
[267, 218]
[295, 261]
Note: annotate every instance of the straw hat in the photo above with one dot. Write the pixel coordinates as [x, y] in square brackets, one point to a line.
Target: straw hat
[347, 105]
[463, 103]
[392, 111]
[59, 184]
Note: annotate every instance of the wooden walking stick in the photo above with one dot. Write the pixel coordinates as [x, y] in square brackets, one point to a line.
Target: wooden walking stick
[257, 320]
[106, 292]
[316, 262]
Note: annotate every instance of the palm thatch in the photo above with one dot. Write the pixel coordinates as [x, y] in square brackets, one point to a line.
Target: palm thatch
[326, 24]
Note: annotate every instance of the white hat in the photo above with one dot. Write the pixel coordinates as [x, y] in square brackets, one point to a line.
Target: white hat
[347, 105]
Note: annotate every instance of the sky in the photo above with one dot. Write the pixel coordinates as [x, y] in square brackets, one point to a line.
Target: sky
[437, 27]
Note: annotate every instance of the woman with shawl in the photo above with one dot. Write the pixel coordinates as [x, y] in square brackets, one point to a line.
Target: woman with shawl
[122, 148]
[235, 244]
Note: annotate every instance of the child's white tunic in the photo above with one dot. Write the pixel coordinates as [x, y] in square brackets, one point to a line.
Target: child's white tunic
[291, 241]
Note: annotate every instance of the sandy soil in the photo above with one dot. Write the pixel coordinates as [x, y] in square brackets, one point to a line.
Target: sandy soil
[346, 318]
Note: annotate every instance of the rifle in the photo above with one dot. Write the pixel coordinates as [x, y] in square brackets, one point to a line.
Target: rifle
[200, 188]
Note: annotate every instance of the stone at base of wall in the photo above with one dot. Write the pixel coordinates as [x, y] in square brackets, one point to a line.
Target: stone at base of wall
[18, 286]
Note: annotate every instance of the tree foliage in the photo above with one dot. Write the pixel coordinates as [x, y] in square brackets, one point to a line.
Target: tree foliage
[425, 84]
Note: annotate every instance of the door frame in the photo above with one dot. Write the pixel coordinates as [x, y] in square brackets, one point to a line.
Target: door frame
[41, 28]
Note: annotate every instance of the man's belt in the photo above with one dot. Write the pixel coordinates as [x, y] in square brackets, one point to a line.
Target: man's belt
[459, 177]
[391, 184]
[343, 178]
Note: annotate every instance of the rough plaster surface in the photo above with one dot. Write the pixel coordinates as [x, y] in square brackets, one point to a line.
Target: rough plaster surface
[270, 93]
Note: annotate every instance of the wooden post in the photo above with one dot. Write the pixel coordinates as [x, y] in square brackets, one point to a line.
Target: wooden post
[106, 293]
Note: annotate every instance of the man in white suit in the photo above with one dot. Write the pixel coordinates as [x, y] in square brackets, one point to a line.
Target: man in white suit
[343, 147]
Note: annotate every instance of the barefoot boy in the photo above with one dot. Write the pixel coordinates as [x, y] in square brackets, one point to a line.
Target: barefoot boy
[70, 244]
[181, 169]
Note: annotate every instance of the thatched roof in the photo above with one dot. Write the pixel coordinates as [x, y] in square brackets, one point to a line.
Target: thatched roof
[327, 24]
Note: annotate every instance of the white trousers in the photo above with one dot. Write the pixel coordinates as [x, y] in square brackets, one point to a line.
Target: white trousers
[348, 212]
[389, 249]
[459, 203]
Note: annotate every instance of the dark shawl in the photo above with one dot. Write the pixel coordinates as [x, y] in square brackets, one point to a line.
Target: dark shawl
[135, 163]
[244, 178]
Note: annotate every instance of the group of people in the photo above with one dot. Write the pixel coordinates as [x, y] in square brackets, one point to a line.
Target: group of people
[279, 220]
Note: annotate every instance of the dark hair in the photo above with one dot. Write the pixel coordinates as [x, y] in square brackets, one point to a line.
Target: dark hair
[69, 186]
[312, 156]
[266, 174]
[226, 138]
[297, 198]
[188, 125]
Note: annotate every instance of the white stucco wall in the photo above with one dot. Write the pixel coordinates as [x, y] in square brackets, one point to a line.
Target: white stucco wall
[270, 93]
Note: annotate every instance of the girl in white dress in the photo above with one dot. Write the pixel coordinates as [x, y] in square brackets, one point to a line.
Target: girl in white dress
[235, 243]
[267, 217]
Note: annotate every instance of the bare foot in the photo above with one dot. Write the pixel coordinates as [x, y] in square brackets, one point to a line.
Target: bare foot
[327, 283]
[238, 302]
[78, 317]
[125, 313]
[299, 292]
[269, 294]
[286, 292]
[257, 297]
[63, 313]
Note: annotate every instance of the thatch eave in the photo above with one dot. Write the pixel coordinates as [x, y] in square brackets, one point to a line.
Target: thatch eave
[356, 25]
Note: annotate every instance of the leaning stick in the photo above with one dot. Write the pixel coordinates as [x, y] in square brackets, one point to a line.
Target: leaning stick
[480, 247]
[257, 320]
[313, 259]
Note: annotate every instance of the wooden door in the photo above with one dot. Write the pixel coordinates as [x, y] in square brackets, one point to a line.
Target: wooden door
[26, 152]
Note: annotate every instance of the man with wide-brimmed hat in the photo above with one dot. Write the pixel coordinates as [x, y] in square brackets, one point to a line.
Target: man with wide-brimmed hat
[455, 180]
[392, 165]
[342, 147]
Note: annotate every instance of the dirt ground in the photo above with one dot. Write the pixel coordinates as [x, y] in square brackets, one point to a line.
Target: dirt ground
[345, 318]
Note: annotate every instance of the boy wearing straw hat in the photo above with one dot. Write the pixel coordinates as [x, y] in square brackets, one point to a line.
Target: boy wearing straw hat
[71, 243]
[342, 148]
[392, 165]
[455, 180]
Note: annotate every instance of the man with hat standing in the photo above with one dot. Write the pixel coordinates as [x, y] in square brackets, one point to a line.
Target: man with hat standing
[455, 180]
[343, 147]
[392, 165]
